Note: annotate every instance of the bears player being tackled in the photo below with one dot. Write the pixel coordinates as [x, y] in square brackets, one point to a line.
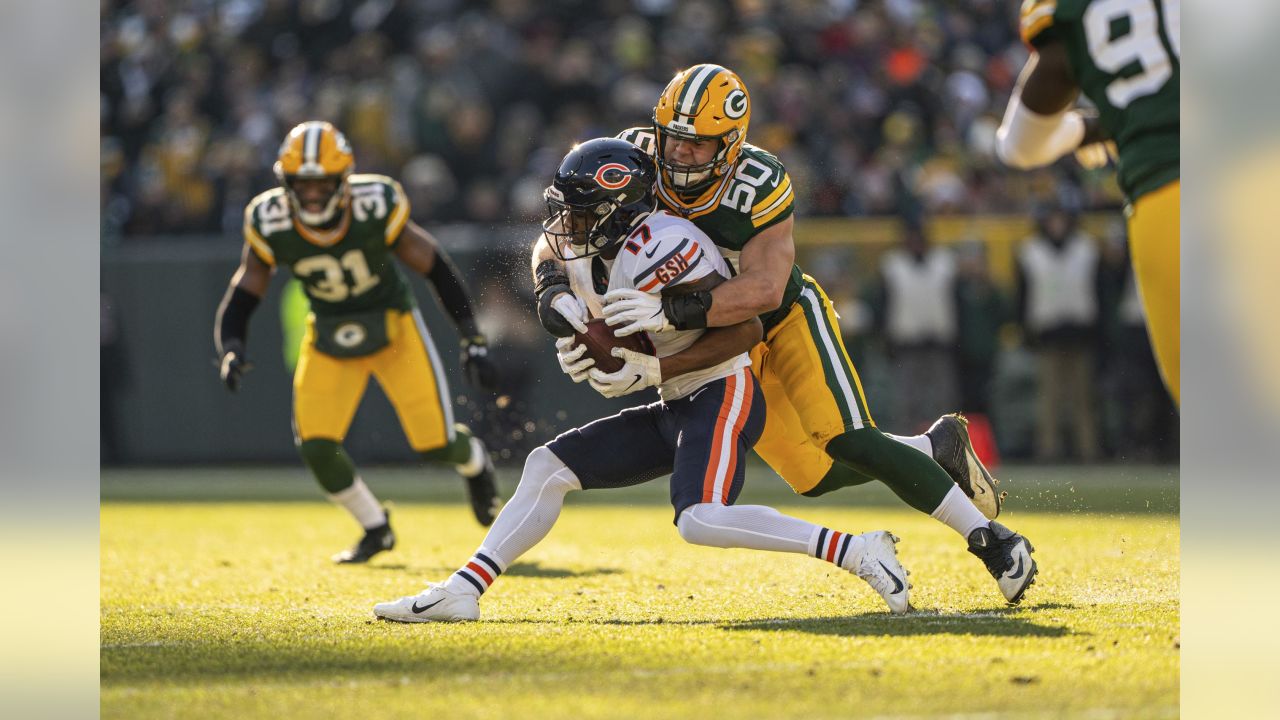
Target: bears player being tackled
[338, 233]
[820, 435]
[601, 207]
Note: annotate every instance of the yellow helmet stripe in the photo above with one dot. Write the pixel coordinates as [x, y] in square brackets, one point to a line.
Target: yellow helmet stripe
[696, 86]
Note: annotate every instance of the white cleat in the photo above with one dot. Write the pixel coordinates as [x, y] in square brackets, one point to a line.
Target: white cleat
[435, 604]
[879, 566]
[953, 450]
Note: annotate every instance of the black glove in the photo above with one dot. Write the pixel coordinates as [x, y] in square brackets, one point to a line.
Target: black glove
[481, 372]
[232, 367]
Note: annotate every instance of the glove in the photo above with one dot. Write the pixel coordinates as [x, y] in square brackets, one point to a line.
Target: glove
[1097, 155]
[232, 367]
[569, 352]
[639, 372]
[561, 312]
[635, 311]
[481, 372]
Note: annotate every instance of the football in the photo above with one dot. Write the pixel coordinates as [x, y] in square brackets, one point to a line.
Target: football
[601, 341]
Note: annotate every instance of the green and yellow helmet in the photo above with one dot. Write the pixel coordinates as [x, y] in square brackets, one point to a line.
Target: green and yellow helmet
[316, 150]
[702, 102]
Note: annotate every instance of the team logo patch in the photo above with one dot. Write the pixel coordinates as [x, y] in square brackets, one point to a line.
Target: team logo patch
[349, 335]
[612, 176]
[735, 104]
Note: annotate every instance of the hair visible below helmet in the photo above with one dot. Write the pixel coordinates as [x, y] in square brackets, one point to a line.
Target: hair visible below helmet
[315, 150]
[600, 190]
[703, 102]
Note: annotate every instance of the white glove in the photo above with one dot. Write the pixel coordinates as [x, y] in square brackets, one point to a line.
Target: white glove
[636, 311]
[1097, 155]
[571, 308]
[639, 372]
[569, 352]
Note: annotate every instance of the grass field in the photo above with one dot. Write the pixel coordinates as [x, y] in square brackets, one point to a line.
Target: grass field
[218, 601]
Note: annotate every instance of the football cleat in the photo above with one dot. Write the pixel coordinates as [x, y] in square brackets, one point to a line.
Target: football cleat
[375, 540]
[435, 604]
[1007, 556]
[879, 566]
[482, 491]
[954, 452]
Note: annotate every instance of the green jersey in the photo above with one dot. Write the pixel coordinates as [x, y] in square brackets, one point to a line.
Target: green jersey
[732, 211]
[347, 269]
[1125, 58]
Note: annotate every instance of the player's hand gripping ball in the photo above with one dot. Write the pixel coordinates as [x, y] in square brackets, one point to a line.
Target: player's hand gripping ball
[600, 342]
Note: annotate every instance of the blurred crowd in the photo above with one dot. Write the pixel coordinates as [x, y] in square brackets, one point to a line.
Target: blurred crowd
[884, 108]
[875, 107]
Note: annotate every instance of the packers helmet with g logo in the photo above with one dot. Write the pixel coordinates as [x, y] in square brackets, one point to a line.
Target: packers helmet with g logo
[316, 150]
[704, 102]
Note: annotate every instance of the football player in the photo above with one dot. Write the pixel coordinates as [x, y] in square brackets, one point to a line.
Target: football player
[338, 233]
[820, 435]
[1124, 55]
[601, 206]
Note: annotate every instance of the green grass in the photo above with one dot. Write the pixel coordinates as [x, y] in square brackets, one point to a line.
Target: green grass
[214, 606]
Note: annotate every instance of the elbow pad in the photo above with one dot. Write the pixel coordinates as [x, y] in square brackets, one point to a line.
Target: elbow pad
[1028, 140]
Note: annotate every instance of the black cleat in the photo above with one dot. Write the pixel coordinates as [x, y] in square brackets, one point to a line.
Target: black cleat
[953, 451]
[375, 540]
[482, 491]
[1007, 556]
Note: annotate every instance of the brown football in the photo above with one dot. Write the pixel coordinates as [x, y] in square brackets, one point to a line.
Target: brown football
[600, 342]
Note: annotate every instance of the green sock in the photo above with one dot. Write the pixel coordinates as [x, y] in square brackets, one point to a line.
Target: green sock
[909, 473]
[329, 463]
[454, 453]
[839, 476]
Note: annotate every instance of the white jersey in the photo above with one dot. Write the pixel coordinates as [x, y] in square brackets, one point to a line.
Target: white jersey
[662, 252]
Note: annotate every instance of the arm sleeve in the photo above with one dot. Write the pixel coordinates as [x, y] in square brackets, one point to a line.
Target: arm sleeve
[232, 321]
[453, 294]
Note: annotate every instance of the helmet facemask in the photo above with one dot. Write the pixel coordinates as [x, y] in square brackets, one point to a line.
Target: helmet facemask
[337, 198]
[584, 229]
[691, 178]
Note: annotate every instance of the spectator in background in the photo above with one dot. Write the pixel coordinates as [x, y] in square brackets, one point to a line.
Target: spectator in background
[982, 309]
[1058, 288]
[917, 318]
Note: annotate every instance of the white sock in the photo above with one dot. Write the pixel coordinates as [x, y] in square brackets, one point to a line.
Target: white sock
[957, 512]
[526, 518]
[475, 463]
[919, 442]
[363, 506]
[755, 527]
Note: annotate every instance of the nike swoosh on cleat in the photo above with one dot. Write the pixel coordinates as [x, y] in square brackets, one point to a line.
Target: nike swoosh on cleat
[1018, 574]
[897, 584]
[425, 608]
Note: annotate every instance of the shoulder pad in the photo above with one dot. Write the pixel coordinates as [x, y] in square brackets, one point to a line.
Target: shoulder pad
[265, 215]
[1036, 17]
[380, 197]
[670, 256]
[641, 136]
[773, 198]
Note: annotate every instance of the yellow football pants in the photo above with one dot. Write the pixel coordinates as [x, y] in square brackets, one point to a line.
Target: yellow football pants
[1155, 241]
[811, 389]
[327, 390]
